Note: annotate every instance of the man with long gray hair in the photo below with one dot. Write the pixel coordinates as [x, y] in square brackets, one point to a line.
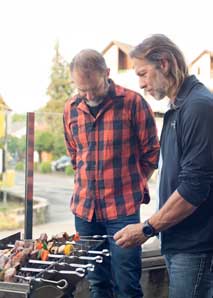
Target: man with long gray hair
[185, 216]
[111, 137]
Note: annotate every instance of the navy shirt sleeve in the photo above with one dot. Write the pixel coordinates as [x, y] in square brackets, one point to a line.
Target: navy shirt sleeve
[196, 142]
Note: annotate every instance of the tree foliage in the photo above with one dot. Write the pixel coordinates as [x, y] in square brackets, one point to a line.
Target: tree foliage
[19, 118]
[16, 147]
[60, 87]
[44, 141]
[59, 146]
[49, 135]
[59, 90]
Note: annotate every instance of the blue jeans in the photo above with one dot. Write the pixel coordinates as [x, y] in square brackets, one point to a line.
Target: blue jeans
[190, 275]
[119, 275]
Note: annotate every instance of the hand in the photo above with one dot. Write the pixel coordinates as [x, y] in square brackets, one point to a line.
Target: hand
[130, 235]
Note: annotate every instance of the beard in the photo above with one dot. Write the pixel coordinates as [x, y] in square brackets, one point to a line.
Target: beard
[95, 101]
[159, 95]
[99, 98]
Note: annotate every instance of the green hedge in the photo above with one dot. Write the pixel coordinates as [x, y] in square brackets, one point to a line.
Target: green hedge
[19, 166]
[69, 171]
[45, 167]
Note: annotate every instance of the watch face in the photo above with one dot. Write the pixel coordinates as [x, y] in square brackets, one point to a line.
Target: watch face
[148, 231]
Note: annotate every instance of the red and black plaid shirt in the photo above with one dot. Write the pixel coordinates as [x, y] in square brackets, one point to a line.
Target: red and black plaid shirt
[112, 154]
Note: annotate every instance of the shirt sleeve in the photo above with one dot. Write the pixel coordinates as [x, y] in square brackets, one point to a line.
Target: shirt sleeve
[145, 127]
[69, 141]
[196, 140]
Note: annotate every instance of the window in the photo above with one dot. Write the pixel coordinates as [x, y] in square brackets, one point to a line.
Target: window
[124, 62]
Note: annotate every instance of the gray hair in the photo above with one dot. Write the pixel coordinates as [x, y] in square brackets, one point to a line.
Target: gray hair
[88, 61]
[158, 47]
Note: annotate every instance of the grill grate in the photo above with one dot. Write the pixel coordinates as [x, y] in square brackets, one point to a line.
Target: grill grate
[59, 275]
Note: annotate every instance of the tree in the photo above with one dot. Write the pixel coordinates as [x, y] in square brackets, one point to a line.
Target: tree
[44, 142]
[60, 87]
[59, 146]
[16, 147]
[59, 90]
[13, 145]
[19, 118]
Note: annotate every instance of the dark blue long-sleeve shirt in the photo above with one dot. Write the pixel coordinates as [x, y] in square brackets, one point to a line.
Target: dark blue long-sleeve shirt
[187, 153]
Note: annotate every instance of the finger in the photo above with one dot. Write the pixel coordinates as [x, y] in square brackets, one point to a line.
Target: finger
[124, 244]
[118, 235]
[121, 243]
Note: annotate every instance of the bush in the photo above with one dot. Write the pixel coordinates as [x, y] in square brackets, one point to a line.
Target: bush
[19, 166]
[69, 171]
[45, 167]
[36, 166]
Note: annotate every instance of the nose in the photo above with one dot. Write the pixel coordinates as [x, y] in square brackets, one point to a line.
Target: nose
[89, 95]
[142, 83]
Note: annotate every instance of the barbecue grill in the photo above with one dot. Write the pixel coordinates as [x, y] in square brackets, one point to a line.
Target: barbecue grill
[58, 276]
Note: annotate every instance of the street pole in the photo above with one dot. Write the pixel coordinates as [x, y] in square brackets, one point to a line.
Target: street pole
[29, 176]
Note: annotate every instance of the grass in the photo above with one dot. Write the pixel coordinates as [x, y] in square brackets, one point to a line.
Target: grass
[9, 206]
[8, 217]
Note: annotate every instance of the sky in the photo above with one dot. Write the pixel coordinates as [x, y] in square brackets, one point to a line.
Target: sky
[29, 30]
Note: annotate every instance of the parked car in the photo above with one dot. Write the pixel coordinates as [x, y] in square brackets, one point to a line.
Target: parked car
[61, 163]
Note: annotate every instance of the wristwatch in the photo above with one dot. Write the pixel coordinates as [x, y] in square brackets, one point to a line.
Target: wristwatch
[148, 229]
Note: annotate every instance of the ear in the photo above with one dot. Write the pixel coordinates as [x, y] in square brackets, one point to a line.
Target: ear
[164, 65]
[107, 72]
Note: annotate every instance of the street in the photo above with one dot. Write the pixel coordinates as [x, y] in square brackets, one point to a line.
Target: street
[56, 188]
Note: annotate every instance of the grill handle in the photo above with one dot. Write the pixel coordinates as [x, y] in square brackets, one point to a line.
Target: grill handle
[98, 259]
[61, 284]
[104, 252]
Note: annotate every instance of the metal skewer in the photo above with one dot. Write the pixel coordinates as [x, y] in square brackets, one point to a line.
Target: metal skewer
[89, 267]
[79, 271]
[98, 259]
[96, 237]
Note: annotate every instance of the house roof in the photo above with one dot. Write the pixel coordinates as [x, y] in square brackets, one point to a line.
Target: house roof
[199, 56]
[3, 105]
[126, 48]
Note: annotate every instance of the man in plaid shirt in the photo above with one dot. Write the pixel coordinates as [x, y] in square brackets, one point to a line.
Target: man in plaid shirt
[111, 136]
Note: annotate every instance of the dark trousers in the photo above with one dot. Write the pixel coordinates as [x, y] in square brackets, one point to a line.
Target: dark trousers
[119, 275]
